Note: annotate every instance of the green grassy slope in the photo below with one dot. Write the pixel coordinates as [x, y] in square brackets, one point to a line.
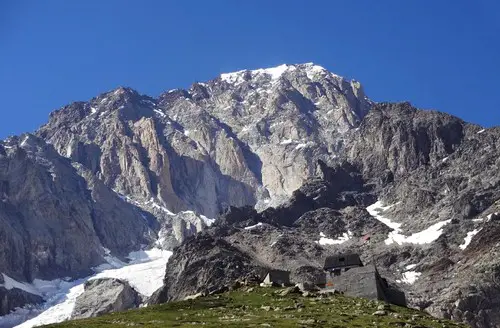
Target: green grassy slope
[265, 307]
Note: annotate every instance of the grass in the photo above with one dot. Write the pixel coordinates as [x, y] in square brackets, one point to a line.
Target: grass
[264, 307]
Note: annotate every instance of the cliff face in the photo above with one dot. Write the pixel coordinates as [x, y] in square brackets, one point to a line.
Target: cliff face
[54, 222]
[244, 138]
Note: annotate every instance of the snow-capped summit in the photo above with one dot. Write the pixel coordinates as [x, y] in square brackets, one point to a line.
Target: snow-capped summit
[312, 71]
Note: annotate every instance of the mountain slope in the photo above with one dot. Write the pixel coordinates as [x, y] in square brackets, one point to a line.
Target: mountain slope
[265, 307]
[432, 232]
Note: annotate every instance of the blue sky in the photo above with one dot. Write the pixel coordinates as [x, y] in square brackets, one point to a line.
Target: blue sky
[437, 54]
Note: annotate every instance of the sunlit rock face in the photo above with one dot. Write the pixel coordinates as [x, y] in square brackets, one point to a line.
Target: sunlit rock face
[244, 138]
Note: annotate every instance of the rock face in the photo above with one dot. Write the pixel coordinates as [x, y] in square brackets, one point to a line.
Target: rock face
[244, 138]
[12, 297]
[103, 296]
[53, 221]
[433, 232]
[301, 164]
[123, 169]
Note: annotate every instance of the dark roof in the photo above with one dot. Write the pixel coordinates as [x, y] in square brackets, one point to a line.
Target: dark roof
[342, 261]
[278, 273]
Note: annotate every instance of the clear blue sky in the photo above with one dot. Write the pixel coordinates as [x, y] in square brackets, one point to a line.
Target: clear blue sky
[437, 54]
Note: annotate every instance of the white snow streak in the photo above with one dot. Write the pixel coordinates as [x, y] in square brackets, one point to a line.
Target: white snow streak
[286, 142]
[207, 221]
[329, 241]
[410, 266]
[159, 112]
[410, 277]
[423, 237]
[468, 238]
[274, 73]
[304, 145]
[158, 206]
[253, 226]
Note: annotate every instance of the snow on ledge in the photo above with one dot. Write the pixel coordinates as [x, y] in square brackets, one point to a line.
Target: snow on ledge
[426, 236]
[287, 141]
[411, 266]
[253, 226]
[409, 277]
[329, 241]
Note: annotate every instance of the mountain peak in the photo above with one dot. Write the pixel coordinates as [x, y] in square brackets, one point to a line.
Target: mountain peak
[274, 73]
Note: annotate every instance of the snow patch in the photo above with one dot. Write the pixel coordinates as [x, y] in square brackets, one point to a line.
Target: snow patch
[312, 71]
[329, 241]
[159, 112]
[287, 142]
[468, 238]
[488, 218]
[253, 226]
[426, 236]
[158, 206]
[377, 208]
[274, 72]
[410, 277]
[207, 221]
[423, 237]
[481, 131]
[246, 128]
[304, 145]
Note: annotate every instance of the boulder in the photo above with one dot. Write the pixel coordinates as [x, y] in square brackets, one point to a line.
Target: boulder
[103, 296]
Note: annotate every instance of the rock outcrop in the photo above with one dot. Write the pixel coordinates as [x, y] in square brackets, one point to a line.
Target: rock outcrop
[103, 296]
[12, 297]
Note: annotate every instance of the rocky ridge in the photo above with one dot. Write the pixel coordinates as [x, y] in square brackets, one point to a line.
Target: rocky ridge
[245, 138]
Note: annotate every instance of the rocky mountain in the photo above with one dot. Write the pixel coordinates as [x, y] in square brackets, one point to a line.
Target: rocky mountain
[245, 138]
[299, 161]
[433, 231]
[56, 219]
